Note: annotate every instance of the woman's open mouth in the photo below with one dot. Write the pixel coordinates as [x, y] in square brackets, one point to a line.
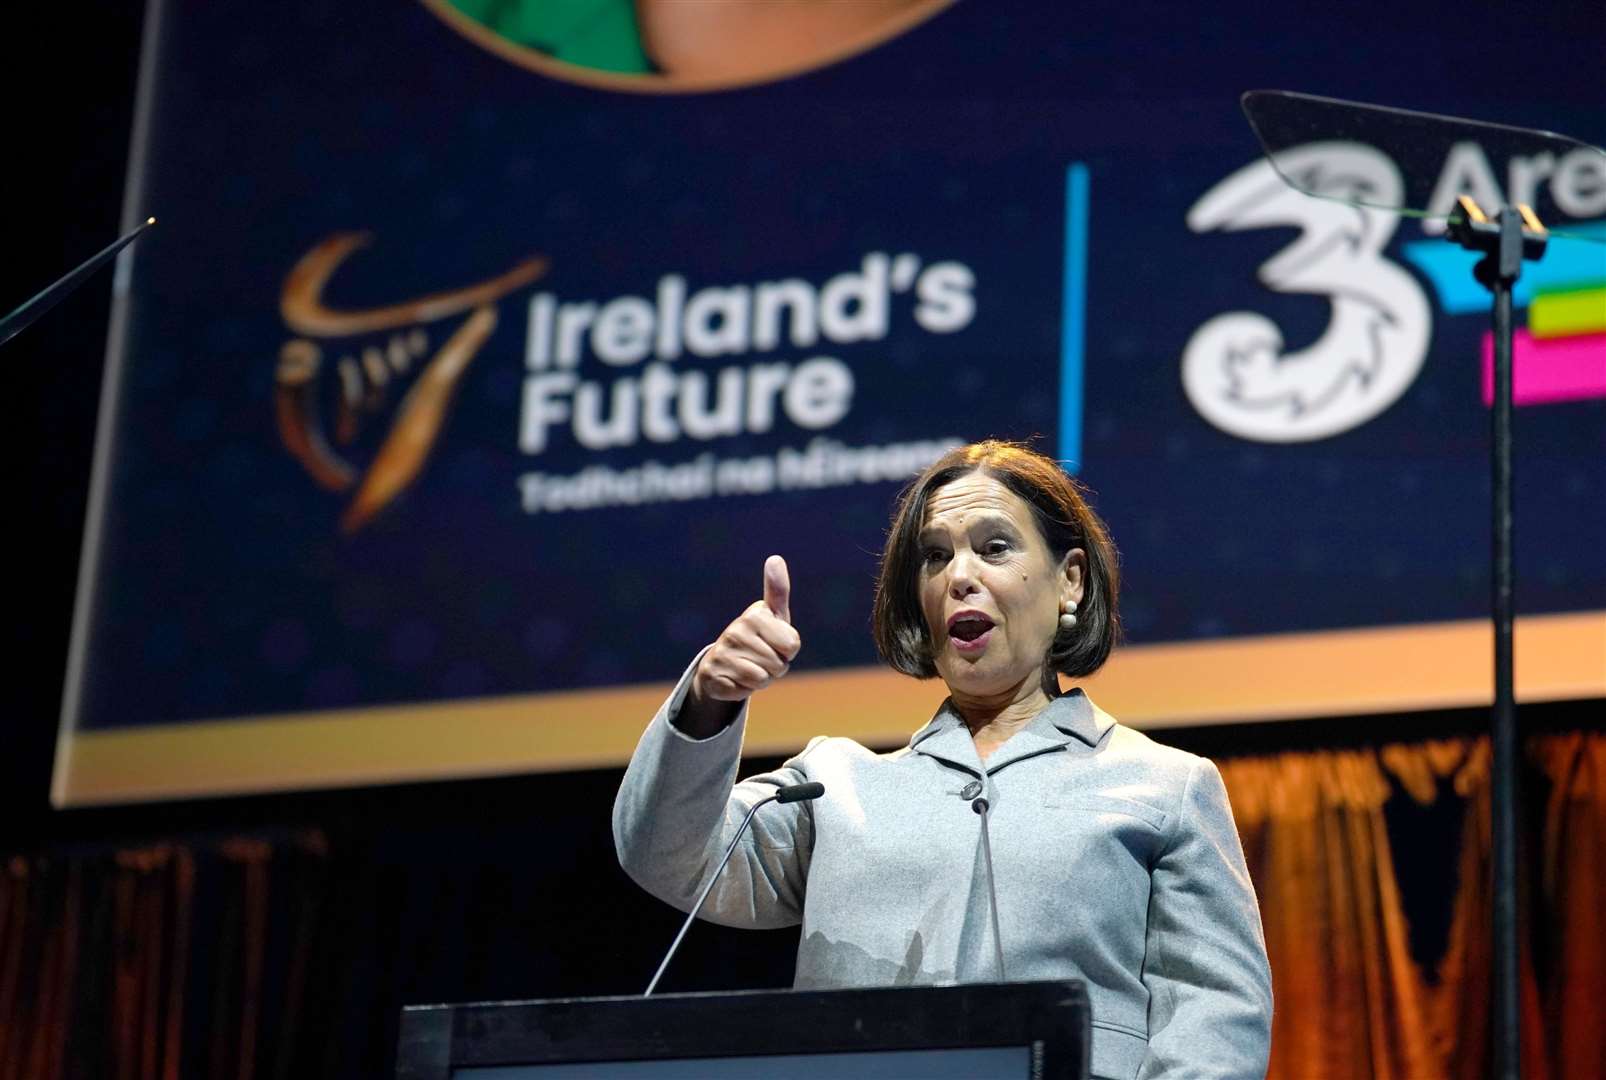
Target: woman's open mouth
[969, 631]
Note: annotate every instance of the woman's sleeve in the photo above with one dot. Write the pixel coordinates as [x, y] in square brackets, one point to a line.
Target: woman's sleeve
[1205, 963]
[678, 807]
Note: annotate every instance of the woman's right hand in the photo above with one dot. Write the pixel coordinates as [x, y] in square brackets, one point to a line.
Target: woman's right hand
[757, 648]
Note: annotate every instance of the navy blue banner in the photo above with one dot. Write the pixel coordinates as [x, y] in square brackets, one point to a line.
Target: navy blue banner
[459, 368]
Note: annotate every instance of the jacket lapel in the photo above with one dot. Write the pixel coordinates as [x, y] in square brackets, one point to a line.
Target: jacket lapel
[1074, 713]
[948, 740]
[1069, 718]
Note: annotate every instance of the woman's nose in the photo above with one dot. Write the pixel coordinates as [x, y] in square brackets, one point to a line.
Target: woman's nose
[961, 576]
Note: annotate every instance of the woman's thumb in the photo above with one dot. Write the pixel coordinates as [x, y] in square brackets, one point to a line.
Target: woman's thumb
[778, 588]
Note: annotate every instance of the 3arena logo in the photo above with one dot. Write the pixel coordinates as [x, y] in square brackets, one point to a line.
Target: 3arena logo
[1236, 369]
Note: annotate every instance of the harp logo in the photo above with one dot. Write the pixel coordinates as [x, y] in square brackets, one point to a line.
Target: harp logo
[372, 351]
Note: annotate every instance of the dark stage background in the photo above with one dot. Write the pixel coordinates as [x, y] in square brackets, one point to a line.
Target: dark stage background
[449, 891]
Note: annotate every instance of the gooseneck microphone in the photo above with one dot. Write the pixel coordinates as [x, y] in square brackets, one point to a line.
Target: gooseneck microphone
[979, 803]
[789, 793]
[18, 320]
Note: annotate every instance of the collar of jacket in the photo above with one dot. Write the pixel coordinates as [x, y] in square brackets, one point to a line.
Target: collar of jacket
[1071, 716]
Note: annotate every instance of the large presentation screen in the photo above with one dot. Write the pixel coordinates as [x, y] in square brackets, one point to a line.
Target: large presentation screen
[483, 351]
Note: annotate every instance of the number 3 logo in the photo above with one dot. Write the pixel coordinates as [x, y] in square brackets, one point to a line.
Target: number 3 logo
[1234, 368]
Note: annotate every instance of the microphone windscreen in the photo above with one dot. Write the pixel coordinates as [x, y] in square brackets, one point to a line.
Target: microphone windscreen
[799, 792]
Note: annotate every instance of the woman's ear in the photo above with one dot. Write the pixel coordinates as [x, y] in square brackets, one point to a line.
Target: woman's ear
[1074, 569]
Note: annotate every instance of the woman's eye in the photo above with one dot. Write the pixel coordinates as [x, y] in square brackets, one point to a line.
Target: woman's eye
[995, 547]
[933, 556]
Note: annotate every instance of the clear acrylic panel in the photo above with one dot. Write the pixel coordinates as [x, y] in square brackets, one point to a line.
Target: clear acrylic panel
[1417, 163]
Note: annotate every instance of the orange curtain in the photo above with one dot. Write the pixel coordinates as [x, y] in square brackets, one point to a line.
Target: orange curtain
[56, 917]
[39, 916]
[1352, 1003]
[1571, 913]
[221, 959]
[99, 962]
[1348, 1004]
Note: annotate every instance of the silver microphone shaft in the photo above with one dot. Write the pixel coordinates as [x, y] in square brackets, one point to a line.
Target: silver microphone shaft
[790, 793]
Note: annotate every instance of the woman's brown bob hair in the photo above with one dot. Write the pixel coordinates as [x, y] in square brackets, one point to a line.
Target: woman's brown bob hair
[1063, 518]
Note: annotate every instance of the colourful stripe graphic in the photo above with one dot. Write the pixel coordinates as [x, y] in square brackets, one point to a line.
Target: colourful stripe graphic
[1560, 314]
[1562, 354]
[1549, 370]
[1568, 263]
[1073, 325]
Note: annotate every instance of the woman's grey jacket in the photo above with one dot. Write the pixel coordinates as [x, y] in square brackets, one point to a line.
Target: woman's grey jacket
[1116, 858]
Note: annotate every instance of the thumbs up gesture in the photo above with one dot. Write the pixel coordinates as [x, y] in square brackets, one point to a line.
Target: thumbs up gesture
[757, 648]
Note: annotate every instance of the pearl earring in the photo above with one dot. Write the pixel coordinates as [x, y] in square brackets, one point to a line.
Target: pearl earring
[1068, 620]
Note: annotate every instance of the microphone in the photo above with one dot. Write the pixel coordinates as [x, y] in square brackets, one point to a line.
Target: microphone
[979, 803]
[18, 320]
[799, 792]
[787, 794]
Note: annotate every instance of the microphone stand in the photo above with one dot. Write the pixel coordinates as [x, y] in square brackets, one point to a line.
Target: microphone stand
[1513, 235]
[790, 793]
[981, 806]
[19, 320]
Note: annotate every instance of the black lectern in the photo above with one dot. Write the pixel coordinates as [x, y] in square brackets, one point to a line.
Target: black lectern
[978, 1031]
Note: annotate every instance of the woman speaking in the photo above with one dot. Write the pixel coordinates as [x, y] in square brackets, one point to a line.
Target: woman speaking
[1115, 859]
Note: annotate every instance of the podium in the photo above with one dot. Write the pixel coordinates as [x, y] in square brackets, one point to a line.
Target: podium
[976, 1031]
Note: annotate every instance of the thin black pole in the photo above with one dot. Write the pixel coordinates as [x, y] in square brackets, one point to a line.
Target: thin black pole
[1503, 732]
